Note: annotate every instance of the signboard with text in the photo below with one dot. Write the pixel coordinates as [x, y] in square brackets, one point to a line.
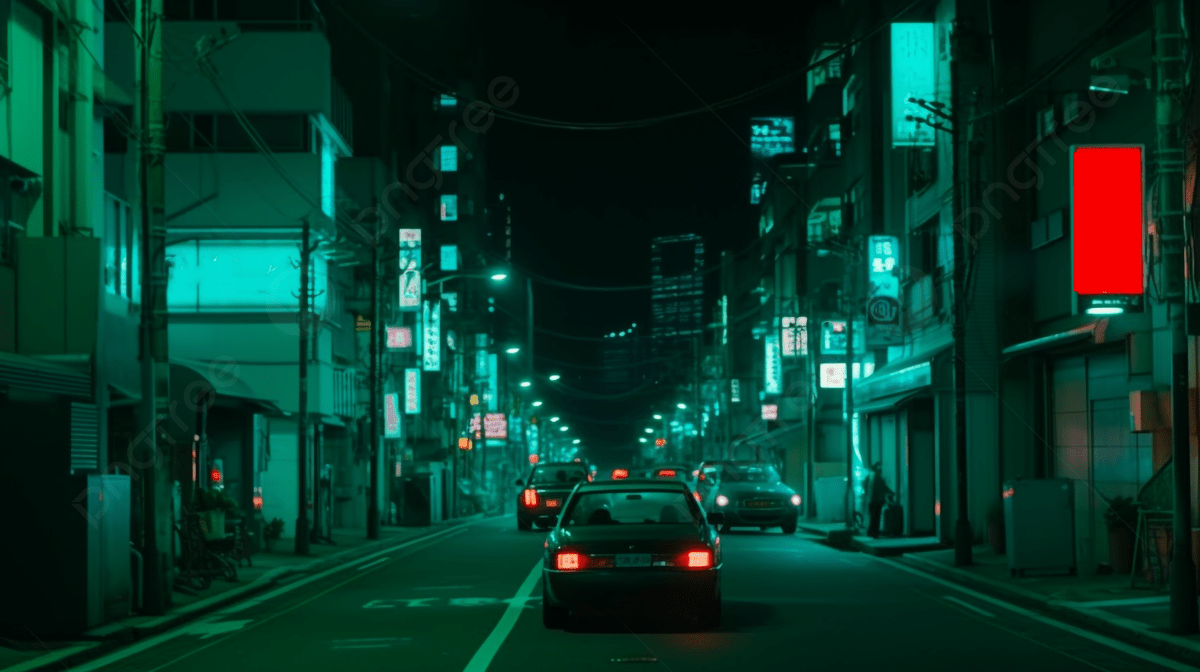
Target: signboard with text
[432, 328]
[399, 338]
[883, 292]
[773, 376]
[495, 426]
[410, 269]
[914, 75]
[412, 391]
[1108, 225]
[391, 416]
[794, 332]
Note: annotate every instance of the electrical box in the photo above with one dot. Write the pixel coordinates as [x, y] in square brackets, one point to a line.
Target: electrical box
[1039, 522]
[1144, 410]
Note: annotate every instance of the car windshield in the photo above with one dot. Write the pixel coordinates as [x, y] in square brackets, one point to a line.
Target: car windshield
[645, 507]
[555, 475]
[750, 475]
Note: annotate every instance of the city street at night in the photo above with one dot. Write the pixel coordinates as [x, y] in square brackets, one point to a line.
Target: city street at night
[465, 602]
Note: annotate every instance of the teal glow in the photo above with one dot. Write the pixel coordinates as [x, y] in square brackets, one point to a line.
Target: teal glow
[448, 101]
[412, 391]
[328, 190]
[391, 411]
[914, 75]
[449, 208]
[244, 277]
[449, 156]
[449, 257]
[770, 136]
[1105, 311]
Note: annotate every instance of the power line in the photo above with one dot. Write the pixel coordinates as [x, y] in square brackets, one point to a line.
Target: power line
[442, 88]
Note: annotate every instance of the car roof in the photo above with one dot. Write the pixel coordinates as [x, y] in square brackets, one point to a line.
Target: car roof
[631, 483]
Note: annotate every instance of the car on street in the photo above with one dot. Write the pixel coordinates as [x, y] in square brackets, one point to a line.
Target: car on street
[633, 545]
[545, 489]
[673, 472]
[705, 476]
[753, 495]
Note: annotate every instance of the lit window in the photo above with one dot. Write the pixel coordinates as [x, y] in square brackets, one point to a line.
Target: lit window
[449, 156]
[449, 207]
[448, 101]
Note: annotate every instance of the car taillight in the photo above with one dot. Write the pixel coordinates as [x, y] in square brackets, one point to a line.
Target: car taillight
[531, 498]
[796, 500]
[696, 496]
[567, 561]
[666, 473]
[722, 500]
[618, 474]
[699, 559]
[695, 473]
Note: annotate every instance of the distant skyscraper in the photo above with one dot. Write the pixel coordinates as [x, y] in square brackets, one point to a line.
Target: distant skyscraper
[677, 298]
[621, 359]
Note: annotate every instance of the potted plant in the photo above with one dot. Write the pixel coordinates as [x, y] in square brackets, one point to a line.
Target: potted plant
[1121, 519]
[213, 506]
[995, 528]
[272, 532]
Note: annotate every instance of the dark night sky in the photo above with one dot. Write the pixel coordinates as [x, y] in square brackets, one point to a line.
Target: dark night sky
[586, 204]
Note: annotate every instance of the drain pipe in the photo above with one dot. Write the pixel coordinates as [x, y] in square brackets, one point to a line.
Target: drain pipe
[138, 557]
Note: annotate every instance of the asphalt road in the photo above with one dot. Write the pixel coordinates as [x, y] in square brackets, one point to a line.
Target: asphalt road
[467, 601]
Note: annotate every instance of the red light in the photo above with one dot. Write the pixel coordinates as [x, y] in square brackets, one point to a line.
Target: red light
[531, 498]
[660, 442]
[1107, 213]
[215, 476]
[258, 503]
[699, 559]
[666, 473]
[696, 496]
[533, 459]
[618, 474]
[567, 561]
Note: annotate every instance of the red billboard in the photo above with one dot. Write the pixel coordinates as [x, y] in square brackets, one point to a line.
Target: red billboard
[1108, 221]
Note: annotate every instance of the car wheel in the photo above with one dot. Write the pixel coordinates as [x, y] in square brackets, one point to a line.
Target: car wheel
[790, 528]
[554, 616]
[710, 615]
[522, 526]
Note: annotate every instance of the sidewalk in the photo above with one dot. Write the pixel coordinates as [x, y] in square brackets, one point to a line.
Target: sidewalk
[1105, 604]
[270, 568]
[838, 536]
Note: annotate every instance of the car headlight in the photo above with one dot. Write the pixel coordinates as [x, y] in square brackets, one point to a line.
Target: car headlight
[722, 500]
[795, 500]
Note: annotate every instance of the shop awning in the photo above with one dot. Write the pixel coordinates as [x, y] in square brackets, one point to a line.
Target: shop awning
[1088, 332]
[901, 376]
[187, 374]
[119, 395]
[108, 91]
[772, 438]
[885, 404]
[34, 375]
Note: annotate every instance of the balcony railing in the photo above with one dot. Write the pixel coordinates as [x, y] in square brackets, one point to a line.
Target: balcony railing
[251, 16]
[343, 114]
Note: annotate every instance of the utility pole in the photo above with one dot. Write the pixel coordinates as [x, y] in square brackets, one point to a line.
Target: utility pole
[848, 302]
[698, 444]
[1169, 160]
[302, 529]
[375, 380]
[959, 137]
[155, 362]
[318, 440]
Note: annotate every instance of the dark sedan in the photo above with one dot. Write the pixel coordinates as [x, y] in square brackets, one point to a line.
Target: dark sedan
[754, 496]
[546, 489]
[632, 545]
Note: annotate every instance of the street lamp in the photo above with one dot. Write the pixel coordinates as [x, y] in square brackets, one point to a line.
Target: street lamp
[657, 416]
[555, 377]
[682, 407]
[563, 428]
[525, 383]
[499, 276]
[643, 440]
[513, 351]
[554, 419]
[649, 431]
[576, 442]
[536, 404]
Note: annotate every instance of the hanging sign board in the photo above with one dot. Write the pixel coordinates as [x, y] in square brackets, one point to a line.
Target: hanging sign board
[883, 292]
[432, 323]
[391, 414]
[1108, 228]
[410, 269]
[412, 391]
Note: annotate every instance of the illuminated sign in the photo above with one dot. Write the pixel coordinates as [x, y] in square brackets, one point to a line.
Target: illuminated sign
[412, 391]
[794, 332]
[212, 276]
[465, 444]
[449, 158]
[1107, 228]
[770, 136]
[410, 269]
[362, 325]
[660, 442]
[449, 208]
[451, 299]
[432, 328]
[533, 458]
[391, 415]
[770, 412]
[773, 376]
[834, 375]
[758, 188]
[914, 75]
[735, 390]
[533, 437]
[495, 426]
[449, 257]
[476, 423]
[883, 292]
[833, 337]
[399, 338]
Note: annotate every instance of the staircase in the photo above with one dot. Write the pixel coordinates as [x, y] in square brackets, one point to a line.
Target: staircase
[1158, 494]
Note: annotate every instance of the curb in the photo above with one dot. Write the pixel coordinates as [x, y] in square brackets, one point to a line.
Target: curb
[1163, 644]
[130, 634]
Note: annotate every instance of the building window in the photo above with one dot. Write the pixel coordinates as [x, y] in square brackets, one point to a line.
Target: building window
[449, 208]
[449, 158]
[826, 72]
[853, 202]
[120, 248]
[923, 248]
[445, 102]
[835, 138]
[115, 139]
[192, 133]
[850, 96]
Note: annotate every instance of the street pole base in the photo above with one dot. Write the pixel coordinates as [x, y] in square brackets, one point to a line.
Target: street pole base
[303, 530]
[373, 523]
[1185, 610]
[963, 541]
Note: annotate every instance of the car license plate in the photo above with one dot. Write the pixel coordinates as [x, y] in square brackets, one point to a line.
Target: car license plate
[551, 503]
[633, 560]
[760, 503]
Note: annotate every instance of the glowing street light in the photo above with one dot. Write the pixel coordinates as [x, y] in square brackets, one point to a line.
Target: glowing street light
[576, 442]
[643, 439]
[537, 403]
[500, 276]
[525, 383]
[513, 351]
[554, 419]
[649, 431]
[555, 377]
[657, 416]
[682, 407]
[563, 428]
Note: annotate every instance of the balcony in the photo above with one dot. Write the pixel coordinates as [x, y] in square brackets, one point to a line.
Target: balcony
[925, 299]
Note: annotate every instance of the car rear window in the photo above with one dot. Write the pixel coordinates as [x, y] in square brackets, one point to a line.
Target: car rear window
[555, 475]
[632, 507]
[750, 474]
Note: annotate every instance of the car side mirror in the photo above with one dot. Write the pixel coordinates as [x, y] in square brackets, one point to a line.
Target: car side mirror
[547, 521]
[716, 519]
[520, 482]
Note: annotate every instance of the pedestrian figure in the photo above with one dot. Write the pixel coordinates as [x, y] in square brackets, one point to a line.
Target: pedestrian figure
[878, 493]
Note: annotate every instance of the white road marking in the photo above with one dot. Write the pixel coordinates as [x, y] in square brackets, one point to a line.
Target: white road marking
[1119, 603]
[152, 642]
[365, 640]
[1078, 632]
[473, 601]
[373, 563]
[972, 607]
[362, 646]
[491, 646]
